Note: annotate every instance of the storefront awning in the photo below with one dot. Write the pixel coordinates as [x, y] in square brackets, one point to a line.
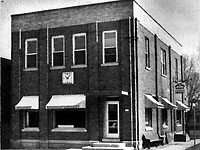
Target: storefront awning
[28, 102]
[181, 106]
[150, 102]
[168, 104]
[66, 101]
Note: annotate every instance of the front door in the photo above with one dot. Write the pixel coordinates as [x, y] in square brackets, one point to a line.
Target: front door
[112, 119]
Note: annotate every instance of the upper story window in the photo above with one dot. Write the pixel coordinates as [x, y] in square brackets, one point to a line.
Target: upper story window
[176, 69]
[79, 49]
[110, 52]
[164, 62]
[31, 53]
[147, 53]
[58, 44]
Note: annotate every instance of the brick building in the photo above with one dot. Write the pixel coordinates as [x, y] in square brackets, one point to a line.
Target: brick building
[5, 102]
[80, 76]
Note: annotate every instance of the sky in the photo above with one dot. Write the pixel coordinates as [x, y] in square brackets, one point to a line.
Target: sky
[181, 18]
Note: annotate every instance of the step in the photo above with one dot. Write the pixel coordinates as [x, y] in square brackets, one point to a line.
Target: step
[109, 145]
[102, 148]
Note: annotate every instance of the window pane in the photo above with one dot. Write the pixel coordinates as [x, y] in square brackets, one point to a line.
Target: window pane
[79, 42]
[31, 61]
[110, 42]
[31, 46]
[110, 39]
[58, 44]
[74, 118]
[111, 35]
[148, 117]
[110, 58]
[110, 51]
[33, 119]
[58, 59]
[79, 57]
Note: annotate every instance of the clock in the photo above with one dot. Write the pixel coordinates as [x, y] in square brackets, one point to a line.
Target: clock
[68, 77]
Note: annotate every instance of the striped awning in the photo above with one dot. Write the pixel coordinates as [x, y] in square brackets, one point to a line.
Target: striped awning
[181, 106]
[167, 104]
[28, 102]
[66, 101]
[150, 102]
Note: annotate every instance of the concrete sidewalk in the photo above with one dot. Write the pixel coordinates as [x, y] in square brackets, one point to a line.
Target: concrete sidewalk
[189, 145]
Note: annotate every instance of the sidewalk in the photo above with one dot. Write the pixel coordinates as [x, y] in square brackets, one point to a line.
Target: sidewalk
[179, 146]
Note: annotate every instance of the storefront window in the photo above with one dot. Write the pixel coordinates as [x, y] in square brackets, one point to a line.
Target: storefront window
[178, 117]
[69, 119]
[164, 118]
[148, 117]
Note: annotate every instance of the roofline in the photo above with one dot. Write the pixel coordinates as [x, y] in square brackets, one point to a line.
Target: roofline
[70, 7]
[158, 24]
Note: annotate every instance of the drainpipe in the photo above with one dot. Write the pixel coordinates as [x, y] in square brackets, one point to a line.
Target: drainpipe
[156, 79]
[131, 75]
[136, 85]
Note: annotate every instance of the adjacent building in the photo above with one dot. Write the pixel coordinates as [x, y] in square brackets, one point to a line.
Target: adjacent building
[5, 102]
[92, 73]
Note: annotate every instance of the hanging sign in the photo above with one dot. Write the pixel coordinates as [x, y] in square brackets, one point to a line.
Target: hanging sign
[179, 88]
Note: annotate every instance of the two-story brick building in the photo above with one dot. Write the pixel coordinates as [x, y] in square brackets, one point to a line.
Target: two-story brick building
[88, 74]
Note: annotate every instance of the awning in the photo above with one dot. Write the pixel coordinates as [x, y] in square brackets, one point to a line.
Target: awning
[66, 101]
[150, 102]
[28, 102]
[168, 104]
[181, 106]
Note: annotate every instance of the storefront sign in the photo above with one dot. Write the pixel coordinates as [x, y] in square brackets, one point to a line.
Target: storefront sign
[179, 88]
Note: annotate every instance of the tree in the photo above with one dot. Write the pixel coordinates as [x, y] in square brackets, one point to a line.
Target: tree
[192, 83]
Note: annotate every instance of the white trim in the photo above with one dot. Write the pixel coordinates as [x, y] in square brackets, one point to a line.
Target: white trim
[107, 123]
[26, 46]
[73, 42]
[104, 32]
[52, 49]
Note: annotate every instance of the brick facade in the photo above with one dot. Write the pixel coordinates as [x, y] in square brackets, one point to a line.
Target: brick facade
[96, 80]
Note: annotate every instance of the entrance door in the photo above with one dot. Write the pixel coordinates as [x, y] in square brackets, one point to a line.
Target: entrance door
[112, 119]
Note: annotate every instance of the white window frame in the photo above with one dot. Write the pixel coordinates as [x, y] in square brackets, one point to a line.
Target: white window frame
[53, 50]
[147, 54]
[163, 62]
[26, 53]
[111, 31]
[73, 39]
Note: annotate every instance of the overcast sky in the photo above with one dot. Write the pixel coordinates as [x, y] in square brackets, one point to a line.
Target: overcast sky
[181, 18]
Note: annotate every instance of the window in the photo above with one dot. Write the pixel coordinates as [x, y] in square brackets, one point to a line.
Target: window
[164, 62]
[148, 117]
[147, 53]
[31, 119]
[176, 69]
[58, 51]
[70, 119]
[178, 116]
[79, 49]
[110, 53]
[164, 117]
[31, 53]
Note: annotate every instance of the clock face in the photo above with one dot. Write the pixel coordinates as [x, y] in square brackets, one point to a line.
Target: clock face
[68, 78]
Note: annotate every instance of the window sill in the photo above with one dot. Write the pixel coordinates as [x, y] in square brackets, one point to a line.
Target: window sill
[163, 75]
[110, 64]
[148, 128]
[79, 66]
[29, 129]
[30, 69]
[147, 68]
[179, 125]
[57, 67]
[68, 129]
